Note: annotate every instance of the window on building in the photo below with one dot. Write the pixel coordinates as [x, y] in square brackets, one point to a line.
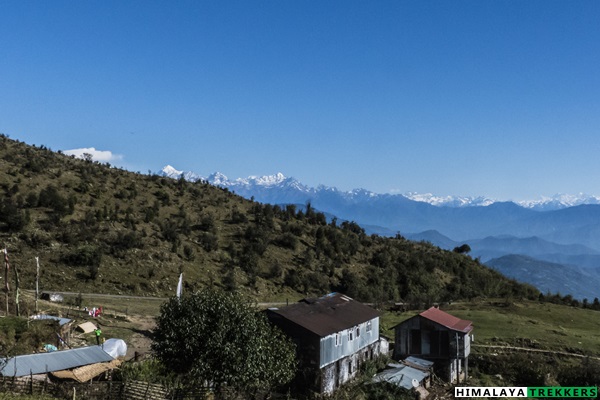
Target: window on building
[350, 335]
[369, 326]
[338, 340]
[358, 331]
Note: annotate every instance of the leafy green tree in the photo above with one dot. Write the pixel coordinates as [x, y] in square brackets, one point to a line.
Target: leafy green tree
[220, 338]
[462, 249]
[85, 255]
[11, 216]
[50, 197]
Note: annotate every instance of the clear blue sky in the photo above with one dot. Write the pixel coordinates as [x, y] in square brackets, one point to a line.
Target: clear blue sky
[496, 98]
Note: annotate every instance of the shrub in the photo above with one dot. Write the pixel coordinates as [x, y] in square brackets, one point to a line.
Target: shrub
[86, 255]
[209, 241]
[287, 241]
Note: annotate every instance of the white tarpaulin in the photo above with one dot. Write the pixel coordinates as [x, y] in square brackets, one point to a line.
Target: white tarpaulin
[115, 347]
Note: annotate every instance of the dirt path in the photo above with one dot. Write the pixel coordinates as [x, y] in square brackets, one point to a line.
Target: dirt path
[141, 337]
[527, 349]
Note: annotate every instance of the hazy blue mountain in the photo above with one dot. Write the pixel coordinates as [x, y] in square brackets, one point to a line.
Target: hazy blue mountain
[530, 246]
[435, 238]
[550, 277]
[460, 219]
[587, 261]
[496, 246]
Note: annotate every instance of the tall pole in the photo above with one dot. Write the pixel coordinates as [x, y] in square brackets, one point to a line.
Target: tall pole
[17, 284]
[37, 283]
[6, 270]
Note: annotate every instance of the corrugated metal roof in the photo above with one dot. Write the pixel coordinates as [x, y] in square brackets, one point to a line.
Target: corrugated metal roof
[402, 376]
[61, 321]
[418, 363]
[58, 360]
[328, 314]
[447, 320]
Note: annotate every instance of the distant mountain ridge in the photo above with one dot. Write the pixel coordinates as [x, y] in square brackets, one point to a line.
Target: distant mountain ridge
[579, 224]
[558, 232]
[549, 277]
[254, 184]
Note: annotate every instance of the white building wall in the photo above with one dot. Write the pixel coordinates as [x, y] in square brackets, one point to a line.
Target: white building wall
[467, 345]
[330, 374]
[345, 369]
[346, 343]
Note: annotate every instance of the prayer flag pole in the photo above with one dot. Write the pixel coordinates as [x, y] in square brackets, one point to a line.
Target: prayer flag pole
[6, 271]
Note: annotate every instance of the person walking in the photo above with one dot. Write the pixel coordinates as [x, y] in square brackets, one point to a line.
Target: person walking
[98, 332]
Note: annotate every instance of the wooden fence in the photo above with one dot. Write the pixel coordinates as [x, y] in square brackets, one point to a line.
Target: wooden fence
[103, 390]
[24, 386]
[136, 390]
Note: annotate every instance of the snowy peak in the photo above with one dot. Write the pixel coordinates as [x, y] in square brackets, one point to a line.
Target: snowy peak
[449, 201]
[559, 201]
[170, 172]
[266, 180]
[269, 180]
[544, 203]
[218, 179]
[279, 188]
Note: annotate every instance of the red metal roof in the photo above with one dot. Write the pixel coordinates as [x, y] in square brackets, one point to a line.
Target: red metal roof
[328, 314]
[447, 320]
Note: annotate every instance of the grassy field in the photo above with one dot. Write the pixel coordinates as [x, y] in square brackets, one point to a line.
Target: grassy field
[518, 323]
[522, 323]
[497, 322]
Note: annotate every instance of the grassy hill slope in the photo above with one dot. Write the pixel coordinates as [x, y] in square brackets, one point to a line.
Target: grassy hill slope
[100, 229]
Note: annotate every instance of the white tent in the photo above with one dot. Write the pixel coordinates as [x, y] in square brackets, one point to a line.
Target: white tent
[115, 347]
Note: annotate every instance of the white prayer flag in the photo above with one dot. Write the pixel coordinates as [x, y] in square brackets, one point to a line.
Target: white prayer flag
[179, 285]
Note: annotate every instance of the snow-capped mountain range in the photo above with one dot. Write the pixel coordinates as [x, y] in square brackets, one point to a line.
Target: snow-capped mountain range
[552, 243]
[254, 185]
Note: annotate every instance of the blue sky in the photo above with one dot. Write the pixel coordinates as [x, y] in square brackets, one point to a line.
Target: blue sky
[495, 98]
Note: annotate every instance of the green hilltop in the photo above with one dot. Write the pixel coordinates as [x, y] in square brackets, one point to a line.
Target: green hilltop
[100, 229]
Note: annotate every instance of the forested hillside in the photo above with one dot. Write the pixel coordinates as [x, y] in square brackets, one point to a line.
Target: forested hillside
[96, 228]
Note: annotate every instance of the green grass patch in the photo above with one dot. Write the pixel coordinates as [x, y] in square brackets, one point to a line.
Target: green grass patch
[522, 323]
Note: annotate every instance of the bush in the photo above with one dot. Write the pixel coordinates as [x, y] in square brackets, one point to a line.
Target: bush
[238, 217]
[86, 255]
[126, 241]
[208, 241]
[13, 218]
[287, 241]
[188, 252]
[50, 197]
[152, 371]
[218, 337]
